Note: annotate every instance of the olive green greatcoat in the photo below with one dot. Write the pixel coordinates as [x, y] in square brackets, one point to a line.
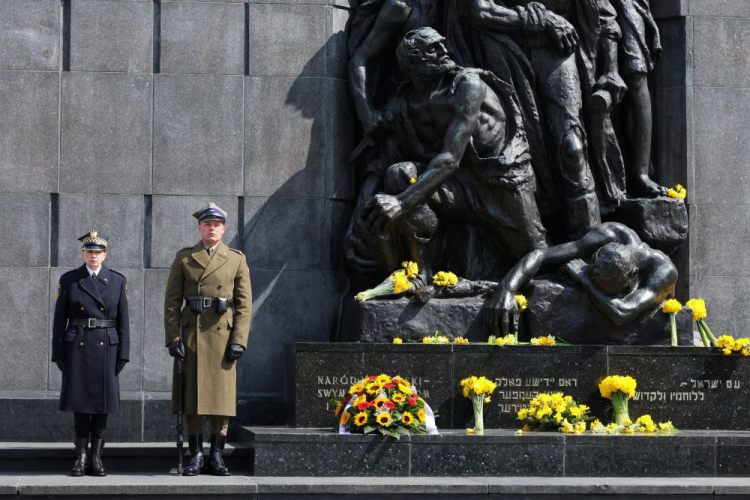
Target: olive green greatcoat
[209, 380]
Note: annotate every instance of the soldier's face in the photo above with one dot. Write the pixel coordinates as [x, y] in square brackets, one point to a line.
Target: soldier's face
[93, 258]
[211, 231]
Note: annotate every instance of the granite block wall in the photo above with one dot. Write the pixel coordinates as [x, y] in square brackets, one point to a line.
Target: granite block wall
[128, 115]
[703, 142]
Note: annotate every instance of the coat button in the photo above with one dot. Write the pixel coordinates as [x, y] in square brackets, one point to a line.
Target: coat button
[101, 309]
[82, 309]
[101, 343]
[81, 344]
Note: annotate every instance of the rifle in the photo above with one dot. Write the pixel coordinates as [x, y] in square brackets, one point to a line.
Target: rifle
[180, 409]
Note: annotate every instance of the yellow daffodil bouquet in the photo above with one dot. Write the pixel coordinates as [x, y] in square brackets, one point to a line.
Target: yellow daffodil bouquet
[729, 344]
[478, 390]
[672, 307]
[389, 405]
[436, 338]
[678, 192]
[619, 389]
[698, 306]
[398, 282]
[554, 412]
[644, 424]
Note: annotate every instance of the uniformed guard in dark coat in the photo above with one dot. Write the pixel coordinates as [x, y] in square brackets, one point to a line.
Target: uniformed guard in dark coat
[91, 345]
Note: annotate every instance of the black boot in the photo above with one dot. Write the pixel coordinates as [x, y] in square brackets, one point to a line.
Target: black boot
[79, 469]
[97, 467]
[215, 464]
[197, 462]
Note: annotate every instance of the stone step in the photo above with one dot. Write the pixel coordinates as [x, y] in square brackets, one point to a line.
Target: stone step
[122, 457]
[147, 486]
[497, 453]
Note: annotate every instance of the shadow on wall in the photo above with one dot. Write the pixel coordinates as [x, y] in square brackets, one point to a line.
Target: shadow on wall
[299, 189]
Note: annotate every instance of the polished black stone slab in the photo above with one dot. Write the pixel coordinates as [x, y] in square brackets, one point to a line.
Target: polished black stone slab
[497, 453]
[695, 388]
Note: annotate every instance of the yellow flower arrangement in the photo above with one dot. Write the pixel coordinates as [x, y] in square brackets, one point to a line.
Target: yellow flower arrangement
[398, 341]
[521, 302]
[554, 411]
[436, 338]
[345, 418]
[728, 345]
[384, 419]
[384, 404]
[398, 282]
[412, 180]
[619, 389]
[643, 424]
[443, 278]
[548, 340]
[698, 307]
[672, 307]
[509, 339]
[678, 192]
[360, 419]
[461, 340]
[478, 389]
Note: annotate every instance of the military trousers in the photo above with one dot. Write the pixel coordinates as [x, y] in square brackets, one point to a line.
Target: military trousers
[194, 424]
[93, 424]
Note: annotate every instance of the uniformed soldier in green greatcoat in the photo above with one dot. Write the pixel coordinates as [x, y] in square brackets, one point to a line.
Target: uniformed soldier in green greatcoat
[208, 296]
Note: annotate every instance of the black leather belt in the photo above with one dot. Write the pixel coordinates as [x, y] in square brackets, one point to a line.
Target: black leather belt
[94, 323]
[199, 304]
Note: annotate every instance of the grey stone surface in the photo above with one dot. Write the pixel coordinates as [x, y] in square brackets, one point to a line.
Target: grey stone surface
[198, 134]
[202, 38]
[106, 133]
[669, 8]
[720, 51]
[30, 34]
[157, 484]
[131, 377]
[720, 243]
[30, 212]
[661, 222]
[368, 486]
[721, 140]
[675, 68]
[726, 299]
[157, 364]
[340, 115]
[285, 233]
[732, 457]
[38, 415]
[9, 485]
[22, 364]
[728, 8]
[490, 455]
[682, 384]
[288, 307]
[174, 227]
[337, 51]
[111, 36]
[599, 487]
[285, 137]
[118, 216]
[643, 456]
[287, 40]
[675, 156]
[28, 151]
[338, 221]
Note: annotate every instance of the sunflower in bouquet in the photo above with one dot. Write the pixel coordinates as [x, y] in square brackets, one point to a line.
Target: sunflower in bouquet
[380, 403]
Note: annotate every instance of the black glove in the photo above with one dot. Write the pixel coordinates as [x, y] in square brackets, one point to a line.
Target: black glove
[120, 365]
[61, 364]
[234, 351]
[177, 350]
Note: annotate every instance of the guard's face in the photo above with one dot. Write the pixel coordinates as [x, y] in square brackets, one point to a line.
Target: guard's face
[211, 231]
[93, 258]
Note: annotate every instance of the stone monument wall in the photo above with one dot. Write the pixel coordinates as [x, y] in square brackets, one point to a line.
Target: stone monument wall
[125, 116]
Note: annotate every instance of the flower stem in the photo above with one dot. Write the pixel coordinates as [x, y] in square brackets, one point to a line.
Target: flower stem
[477, 402]
[620, 405]
[708, 332]
[673, 326]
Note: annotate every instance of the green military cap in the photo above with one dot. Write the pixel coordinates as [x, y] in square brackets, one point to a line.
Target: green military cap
[210, 212]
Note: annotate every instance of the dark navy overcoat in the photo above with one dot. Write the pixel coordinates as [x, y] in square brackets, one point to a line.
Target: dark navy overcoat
[89, 383]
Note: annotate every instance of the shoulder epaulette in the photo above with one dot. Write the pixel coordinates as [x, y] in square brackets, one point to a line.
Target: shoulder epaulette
[237, 251]
[117, 272]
